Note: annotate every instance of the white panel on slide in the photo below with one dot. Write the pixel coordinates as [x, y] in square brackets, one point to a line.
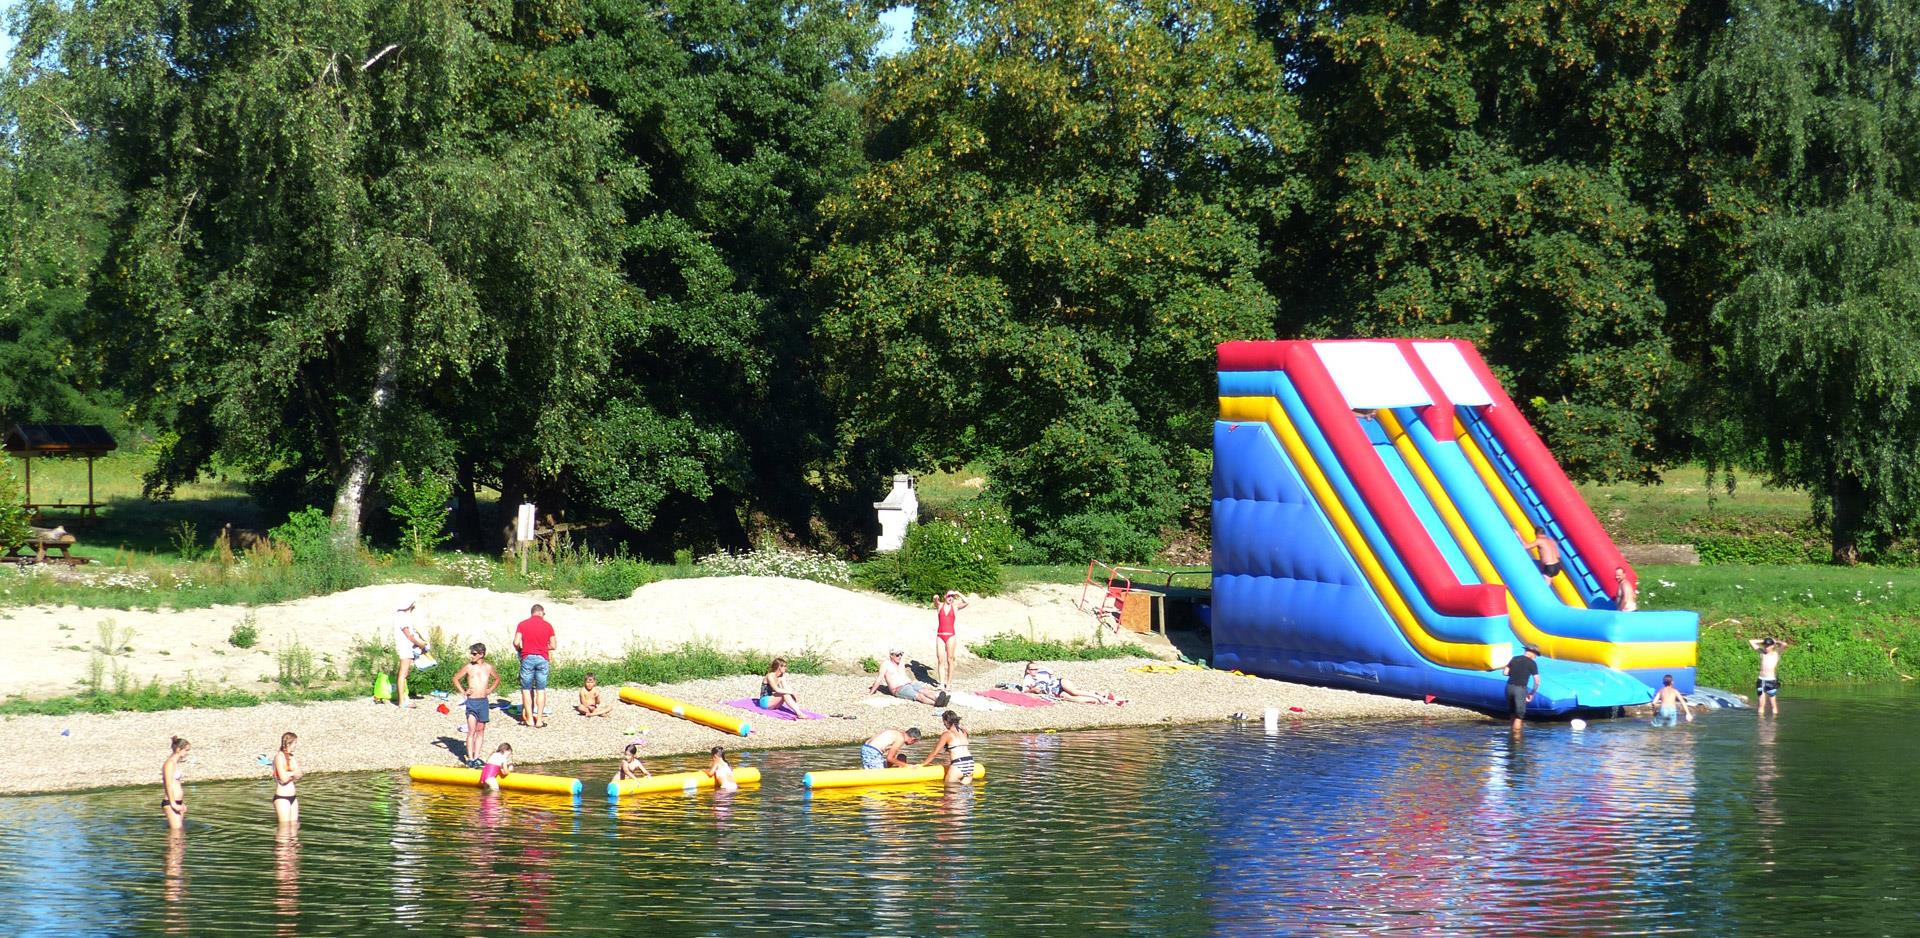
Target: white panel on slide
[1457, 381]
[1372, 374]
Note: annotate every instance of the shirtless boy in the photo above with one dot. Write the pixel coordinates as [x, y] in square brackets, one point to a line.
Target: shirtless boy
[590, 705]
[1766, 690]
[1669, 703]
[478, 680]
[1549, 559]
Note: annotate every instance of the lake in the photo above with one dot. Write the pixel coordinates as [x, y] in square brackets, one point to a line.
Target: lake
[1730, 825]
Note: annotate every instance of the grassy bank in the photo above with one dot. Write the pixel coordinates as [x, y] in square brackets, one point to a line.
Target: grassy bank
[1847, 625]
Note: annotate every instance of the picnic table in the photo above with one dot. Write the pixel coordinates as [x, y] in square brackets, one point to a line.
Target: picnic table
[42, 540]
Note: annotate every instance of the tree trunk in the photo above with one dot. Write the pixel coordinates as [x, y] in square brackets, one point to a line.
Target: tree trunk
[466, 511]
[351, 497]
[1849, 502]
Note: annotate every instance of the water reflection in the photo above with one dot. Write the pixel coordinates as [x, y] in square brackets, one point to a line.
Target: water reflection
[1445, 828]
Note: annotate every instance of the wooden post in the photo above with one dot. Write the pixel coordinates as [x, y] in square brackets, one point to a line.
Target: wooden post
[523, 533]
[91, 511]
[28, 462]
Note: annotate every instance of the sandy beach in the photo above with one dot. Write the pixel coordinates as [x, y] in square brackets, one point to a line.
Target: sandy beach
[759, 614]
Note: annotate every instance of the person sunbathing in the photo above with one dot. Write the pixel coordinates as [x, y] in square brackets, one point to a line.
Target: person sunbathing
[1039, 680]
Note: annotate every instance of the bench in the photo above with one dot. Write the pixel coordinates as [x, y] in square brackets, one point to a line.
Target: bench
[42, 540]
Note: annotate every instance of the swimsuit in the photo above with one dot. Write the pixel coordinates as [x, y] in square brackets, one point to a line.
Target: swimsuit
[961, 757]
[1550, 569]
[477, 708]
[1668, 716]
[489, 772]
[1769, 686]
[871, 757]
[947, 614]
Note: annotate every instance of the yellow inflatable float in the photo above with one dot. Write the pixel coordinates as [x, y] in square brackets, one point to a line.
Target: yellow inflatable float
[686, 711]
[859, 778]
[512, 781]
[688, 782]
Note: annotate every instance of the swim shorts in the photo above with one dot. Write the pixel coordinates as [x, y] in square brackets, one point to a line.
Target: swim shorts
[1548, 569]
[1769, 686]
[477, 708]
[871, 757]
[533, 672]
[1516, 700]
[908, 691]
[1668, 716]
[766, 702]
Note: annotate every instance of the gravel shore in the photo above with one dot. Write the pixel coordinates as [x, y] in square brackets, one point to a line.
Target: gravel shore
[98, 751]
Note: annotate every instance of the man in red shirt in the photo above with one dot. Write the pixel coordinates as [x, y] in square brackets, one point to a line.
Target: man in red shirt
[533, 639]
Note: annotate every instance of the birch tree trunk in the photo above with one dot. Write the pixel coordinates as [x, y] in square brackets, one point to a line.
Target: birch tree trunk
[351, 498]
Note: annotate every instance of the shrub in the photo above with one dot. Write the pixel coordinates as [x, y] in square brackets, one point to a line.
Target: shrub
[14, 517]
[963, 553]
[613, 578]
[1094, 486]
[1008, 646]
[246, 632]
[296, 666]
[870, 664]
[1770, 549]
[771, 561]
[420, 505]
[323, 566]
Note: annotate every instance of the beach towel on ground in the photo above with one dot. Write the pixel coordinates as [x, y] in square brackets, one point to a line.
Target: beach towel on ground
[1016, 698]
[753, 704]
[969, 701]
[879, 700]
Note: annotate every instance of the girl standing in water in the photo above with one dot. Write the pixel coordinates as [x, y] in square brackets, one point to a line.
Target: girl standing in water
[286, 771]
[955, 743]
[173, 795]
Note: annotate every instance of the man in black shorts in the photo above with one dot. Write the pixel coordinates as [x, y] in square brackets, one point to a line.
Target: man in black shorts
[1549, 560]
[1523, 678]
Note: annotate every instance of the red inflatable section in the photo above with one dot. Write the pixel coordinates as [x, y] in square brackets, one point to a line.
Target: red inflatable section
[1536, 462]
[1407, 538]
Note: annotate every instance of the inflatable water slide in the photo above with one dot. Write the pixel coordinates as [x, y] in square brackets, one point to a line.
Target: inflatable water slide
[1373, 502]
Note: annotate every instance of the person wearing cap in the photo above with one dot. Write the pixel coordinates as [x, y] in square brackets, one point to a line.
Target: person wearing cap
[1523, 678]
[948, 609]
[1766, 689]
[407, 644]
[899, 683]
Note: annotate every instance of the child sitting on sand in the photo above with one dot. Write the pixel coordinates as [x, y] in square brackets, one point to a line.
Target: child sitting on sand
[630, 765]
[721, 770]
[590, 705]
[498, 764]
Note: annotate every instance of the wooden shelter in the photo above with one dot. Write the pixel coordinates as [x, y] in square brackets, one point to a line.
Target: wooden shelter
[28, 440]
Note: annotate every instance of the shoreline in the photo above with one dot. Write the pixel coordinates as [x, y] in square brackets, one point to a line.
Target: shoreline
[83, 752]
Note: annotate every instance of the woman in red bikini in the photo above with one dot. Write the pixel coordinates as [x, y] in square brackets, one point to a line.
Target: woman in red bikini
[948, 607]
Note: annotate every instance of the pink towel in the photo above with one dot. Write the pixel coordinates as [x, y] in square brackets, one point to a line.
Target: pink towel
[753, 704]
[1016, 698]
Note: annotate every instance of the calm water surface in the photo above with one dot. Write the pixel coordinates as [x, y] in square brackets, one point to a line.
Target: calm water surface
[1727, 826]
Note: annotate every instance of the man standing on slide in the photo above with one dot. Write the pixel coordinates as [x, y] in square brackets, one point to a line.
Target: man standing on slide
[1523, 678]
[533, 638]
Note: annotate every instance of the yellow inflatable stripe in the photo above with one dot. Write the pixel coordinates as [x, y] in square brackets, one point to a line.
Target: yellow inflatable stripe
[678, 782]
[1626, 655]
[1562, 586]
[1466, 655]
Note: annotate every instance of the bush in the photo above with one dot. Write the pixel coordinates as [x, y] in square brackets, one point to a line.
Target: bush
[420, 505]
[962, 553]
[246, 632]
[1008, 646]
[324, 567]
[14, 517]
[1094, 486]
[614, 578]
[769, 561]
[1767, 549]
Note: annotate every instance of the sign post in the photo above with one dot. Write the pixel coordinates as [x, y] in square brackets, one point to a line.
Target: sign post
[523, 532]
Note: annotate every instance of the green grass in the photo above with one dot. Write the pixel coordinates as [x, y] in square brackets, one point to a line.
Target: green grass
[945, 491]
[1846, 624]
[691, 661]
[156, 697]
[1684, 509]
[1008, 646]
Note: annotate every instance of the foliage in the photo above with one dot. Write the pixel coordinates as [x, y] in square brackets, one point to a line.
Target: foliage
[245, 633]
[1772, 549]
[318, 559]
[1063, 218]
[612, 578]
[1847, 625]
[419, 503]
[155, 696]
[14, 518]
[1094, 487]
[651, 666]
[773, 561]
[298, 670]
[960, 553]
[1008, 646]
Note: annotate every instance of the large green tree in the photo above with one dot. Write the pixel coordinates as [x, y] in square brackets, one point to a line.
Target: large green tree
[1798, 124]
[342, 224]
[1476, 176]
[1063, 218]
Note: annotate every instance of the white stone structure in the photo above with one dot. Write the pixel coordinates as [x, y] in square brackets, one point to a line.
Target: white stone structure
[901, 508]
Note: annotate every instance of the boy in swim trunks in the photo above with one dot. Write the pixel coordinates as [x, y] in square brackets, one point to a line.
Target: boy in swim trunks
[1766, 689]
[1668, 704]
[477, 681]
[1549, 559]
[883, 749]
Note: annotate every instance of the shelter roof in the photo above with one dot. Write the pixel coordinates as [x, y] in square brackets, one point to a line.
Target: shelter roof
[60, 439]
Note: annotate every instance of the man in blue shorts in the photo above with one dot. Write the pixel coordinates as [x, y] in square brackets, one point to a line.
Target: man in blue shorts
[883, 750]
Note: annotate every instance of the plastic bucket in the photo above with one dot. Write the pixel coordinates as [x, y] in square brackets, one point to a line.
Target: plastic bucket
[382, 687]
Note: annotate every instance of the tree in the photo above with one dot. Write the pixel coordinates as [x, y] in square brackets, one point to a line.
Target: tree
[1478, 176]
[1804, 172]
[1063, 219]
[332, 215]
